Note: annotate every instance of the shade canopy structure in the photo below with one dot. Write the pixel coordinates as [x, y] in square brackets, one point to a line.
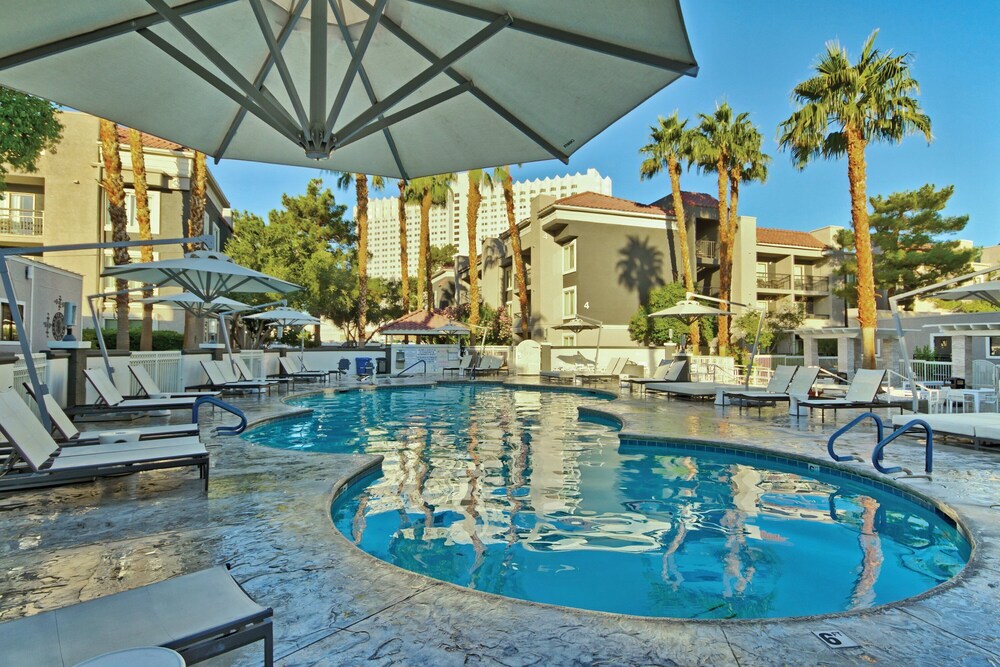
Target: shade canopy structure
[690, 309]
[403, 88]
[206, 274]
[285, 317]
[988, 291]
[198, 307]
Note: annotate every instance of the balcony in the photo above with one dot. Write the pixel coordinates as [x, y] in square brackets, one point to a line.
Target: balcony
[21, 222]
[706, 252]
[812, 284]
[781, 281]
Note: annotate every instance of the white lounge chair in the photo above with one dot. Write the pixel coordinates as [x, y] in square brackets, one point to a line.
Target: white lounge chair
[111, 398]
[862, 393]
[612, 371]
[222, 377]
[979, 427]
[150, 388]
[665, 372]
[799, 387]
[293, 368]
[246, 375]
[46, 463]
[463, 365]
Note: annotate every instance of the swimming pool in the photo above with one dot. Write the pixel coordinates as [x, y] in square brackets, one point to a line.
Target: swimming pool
[506, 491]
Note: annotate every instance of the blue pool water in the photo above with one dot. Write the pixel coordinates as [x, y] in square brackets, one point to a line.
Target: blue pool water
[507, 491]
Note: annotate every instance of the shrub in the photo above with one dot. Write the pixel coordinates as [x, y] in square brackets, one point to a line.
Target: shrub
[162, 340]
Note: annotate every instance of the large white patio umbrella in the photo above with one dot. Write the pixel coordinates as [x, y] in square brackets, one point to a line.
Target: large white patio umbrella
[988, 291]
[287, 317]
[195, 305]
[403, 88]
[580, 323]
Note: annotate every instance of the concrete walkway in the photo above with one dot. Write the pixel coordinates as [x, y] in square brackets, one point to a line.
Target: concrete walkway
[268, 515]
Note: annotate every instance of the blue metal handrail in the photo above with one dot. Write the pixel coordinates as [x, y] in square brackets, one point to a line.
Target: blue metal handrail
[414, 364]
[844, 429]
[928, 447]
[221, 430]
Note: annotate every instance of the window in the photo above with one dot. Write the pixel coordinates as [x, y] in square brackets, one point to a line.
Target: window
[17, 214]
[942, 347]
[7, 330]
[569, 302]
[154, 213]
[569, 257]
[994, 346]
[135, 256]
[569, 340]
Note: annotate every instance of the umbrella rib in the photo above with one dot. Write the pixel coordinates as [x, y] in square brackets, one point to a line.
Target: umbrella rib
[276, 111]
[279, 61]
[101, 34]
[217, 83]
[399, 116]
[366, 82]
[357, 56]
[567, 37]
[436, 67]
[497, 108]
[258, 81]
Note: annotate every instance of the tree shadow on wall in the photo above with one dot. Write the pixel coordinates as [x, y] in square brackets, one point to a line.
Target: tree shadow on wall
[640, 268]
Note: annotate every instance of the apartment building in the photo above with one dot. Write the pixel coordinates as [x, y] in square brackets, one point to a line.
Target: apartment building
[448, 222]
[599, 256]
[63, 203]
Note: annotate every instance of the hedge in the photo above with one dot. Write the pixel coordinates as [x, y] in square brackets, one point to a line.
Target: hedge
[162, 340]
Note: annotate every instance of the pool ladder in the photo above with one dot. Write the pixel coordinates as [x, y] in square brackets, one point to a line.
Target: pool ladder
[228, 407]
[882, 440]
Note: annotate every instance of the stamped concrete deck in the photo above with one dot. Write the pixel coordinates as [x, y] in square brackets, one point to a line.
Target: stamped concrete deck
[267, 514]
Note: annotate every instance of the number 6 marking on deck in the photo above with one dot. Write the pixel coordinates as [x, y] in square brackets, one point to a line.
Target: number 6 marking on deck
[836, 639]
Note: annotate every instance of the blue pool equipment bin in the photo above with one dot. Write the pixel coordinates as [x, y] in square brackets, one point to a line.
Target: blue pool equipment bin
[363, 365]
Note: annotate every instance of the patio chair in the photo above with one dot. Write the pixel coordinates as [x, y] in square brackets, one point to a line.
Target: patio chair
[69, 434]
[150, 388]
[246, 375]
[665, 372]
[801, 384]
[862, 393]
[112, 400]
[343, 368]
[200, 615]
[461, 367]
[611, 372]
[294, 370]
[222, 377]
[46, 463]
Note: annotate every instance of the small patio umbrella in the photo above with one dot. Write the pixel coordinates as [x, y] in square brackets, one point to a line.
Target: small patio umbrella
[988, 292]
[193, 304]
[578, 324]
[402, 89]
[287, 317]
[689, 310]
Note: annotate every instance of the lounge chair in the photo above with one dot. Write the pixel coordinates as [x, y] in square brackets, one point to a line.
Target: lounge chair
[800, 386]
[979, 427]
[150, 388]
[463, 365]
[487, 365]
[695, 390]
[222, 377]
[557, 376]
[246, 375]
[862, 393]
[294, 370]
[612, 371]
[46, 463]
[112, 400]
[199, 615]
[69, 434]
[665, 372]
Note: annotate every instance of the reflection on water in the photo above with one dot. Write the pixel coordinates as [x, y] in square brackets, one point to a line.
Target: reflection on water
[505, 491]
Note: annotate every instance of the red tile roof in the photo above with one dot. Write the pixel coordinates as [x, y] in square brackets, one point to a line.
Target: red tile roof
[148, 140]
[692, 199]
[417, 322]
[608, 203]
[788, 237]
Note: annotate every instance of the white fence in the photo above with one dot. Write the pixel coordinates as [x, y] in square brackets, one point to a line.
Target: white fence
[166, 369]
[254, 359]
[928, 371]
[20, 376]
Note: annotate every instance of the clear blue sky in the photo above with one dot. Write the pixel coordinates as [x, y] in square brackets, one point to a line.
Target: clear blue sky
[752, 53]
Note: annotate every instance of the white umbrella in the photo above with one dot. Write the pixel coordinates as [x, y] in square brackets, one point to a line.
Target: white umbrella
[578, 324]
[403, 88]
[285, 317]
[206, 274]
[988, 291]
[198, 307]
[689, 309]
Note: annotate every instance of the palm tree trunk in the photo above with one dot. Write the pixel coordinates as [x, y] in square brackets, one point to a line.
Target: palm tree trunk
[145, 230]
[725, 252]
[424, 288]
[361, 189]
[674, 168]
[475, 198]
[515, 244]
[114, 187]
[404, 260]
[862, 244]
[195, 227]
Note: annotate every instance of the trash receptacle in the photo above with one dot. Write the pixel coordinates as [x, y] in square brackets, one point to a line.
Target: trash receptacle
[380, 365]
[363, 365]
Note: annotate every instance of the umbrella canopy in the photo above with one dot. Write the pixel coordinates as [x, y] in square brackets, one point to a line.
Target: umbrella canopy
[196, 306]
[576, 325]
[689, 308]
[988, 292]
[285, 317]
[454, 329]
[207, 275]
[403, 89]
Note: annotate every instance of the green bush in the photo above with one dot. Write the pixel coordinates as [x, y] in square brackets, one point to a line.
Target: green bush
[162, 340]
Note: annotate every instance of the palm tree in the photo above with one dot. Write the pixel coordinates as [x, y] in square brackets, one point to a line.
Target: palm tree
[502, 174]
[114, 188]
[403, 258]
[712, 150]
[477, 179]
[195, 227]
[145, 229]
[670, 146]
[429, 191]
[841, 110]
[748, 165]
[344, 180]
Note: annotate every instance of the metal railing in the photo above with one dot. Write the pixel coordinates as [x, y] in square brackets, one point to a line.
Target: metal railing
[706, 249]
[21, 221]
[928, 371]
[165, 367]
[774, 281]
[812, 284]
[772, 361]
[416, 363]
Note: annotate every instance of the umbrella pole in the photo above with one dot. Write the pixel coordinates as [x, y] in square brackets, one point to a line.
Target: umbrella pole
[99, 334]
[597, 353]
[753, 352]
[37, 387]
[225, 339]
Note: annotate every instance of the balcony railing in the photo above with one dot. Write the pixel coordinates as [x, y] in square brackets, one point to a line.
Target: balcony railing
[774, 281]
[812, 284]
[21, 222]
[706, 251]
